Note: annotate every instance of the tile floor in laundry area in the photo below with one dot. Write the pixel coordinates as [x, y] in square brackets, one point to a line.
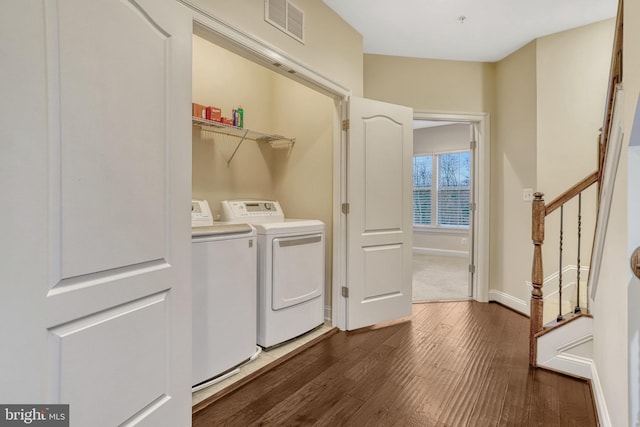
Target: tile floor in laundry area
[263, 359]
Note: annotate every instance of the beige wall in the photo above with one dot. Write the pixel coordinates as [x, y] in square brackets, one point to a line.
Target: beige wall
[550, 101]
[429, 84]
[301, 177]
[513, 167]
[226, 80]
[332, 48]
[572, 70]
[435, 140]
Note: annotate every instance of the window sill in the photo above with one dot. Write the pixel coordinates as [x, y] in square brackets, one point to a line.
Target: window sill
[440, 230]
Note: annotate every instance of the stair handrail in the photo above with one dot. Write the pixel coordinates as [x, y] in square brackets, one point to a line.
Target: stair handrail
[540, 210]
[615, 78]
[572, 192]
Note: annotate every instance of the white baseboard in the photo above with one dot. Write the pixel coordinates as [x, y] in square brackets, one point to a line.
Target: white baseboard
[598, 394]
[442, 252]
[513, 303]
[570, 364]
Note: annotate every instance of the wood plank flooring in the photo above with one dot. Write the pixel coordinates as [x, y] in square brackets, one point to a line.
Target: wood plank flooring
[452, 364]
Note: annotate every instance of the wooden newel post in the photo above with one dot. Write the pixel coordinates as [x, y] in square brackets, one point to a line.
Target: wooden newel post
[537, 235]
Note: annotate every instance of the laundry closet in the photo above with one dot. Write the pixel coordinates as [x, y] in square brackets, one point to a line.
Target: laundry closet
[287, 154]
[300, 175]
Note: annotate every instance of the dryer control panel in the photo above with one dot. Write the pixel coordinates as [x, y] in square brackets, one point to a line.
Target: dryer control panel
[251, 211]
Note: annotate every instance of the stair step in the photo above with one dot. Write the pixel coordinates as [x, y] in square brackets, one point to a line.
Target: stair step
[557, 324]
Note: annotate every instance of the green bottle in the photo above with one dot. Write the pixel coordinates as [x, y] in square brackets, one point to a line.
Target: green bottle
[240, 113]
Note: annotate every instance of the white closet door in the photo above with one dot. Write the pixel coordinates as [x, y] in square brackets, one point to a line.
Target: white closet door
[379, 223]
[95, 183]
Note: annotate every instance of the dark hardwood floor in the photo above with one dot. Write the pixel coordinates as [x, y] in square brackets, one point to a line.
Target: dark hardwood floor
[453, 364]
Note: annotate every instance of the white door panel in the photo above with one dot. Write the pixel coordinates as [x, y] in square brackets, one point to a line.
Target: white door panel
[383, 174]
[105, 352]
[95, 259]
[112, 181]
[383, 268]
[379, 223]
[381, 237]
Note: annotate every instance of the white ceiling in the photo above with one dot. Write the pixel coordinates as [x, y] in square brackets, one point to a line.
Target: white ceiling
[491, 30]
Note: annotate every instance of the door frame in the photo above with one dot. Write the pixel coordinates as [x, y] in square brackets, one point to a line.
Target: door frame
[481, 184]
[261, 52]
[481, 180]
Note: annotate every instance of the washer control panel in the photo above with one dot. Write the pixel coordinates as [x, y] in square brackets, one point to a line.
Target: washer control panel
[200, 214]
[251, 211]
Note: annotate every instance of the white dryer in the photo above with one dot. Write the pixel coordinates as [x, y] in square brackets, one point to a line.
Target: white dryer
[291, 263]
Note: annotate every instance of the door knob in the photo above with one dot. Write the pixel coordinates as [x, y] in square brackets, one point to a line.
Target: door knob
[635, 262]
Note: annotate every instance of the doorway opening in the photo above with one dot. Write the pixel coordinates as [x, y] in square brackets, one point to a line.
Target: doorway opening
[442, 210]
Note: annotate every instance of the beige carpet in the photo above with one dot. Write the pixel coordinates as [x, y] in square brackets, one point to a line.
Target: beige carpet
[440, 278]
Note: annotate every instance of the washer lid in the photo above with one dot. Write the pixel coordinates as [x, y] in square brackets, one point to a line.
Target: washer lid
[291, 226]
[219, 230]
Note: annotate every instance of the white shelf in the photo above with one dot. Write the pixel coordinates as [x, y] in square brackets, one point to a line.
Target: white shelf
[242, 133]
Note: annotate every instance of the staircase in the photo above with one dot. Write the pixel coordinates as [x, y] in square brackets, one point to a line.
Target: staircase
[569, 308]
[560, 338]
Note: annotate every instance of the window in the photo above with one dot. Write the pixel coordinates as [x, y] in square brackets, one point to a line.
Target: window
[422, 183]
[453, 189]
[450, 207]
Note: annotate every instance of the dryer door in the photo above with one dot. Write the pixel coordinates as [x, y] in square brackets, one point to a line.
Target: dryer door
[298, 269]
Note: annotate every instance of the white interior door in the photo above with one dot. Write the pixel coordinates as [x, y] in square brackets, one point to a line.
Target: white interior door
[95, 182]
[379, 222]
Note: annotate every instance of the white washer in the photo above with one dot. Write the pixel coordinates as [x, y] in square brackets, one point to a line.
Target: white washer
[291, 264]
[224, 280]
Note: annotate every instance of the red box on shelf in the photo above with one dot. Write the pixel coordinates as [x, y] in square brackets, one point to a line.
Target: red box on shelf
[226, 121]
[199, 111]
[216, 114]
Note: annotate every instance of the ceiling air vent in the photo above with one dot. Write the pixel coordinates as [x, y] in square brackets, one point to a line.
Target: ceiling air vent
[285, 16]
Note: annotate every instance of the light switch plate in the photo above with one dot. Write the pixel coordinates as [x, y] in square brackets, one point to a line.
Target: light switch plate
[527, 194]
